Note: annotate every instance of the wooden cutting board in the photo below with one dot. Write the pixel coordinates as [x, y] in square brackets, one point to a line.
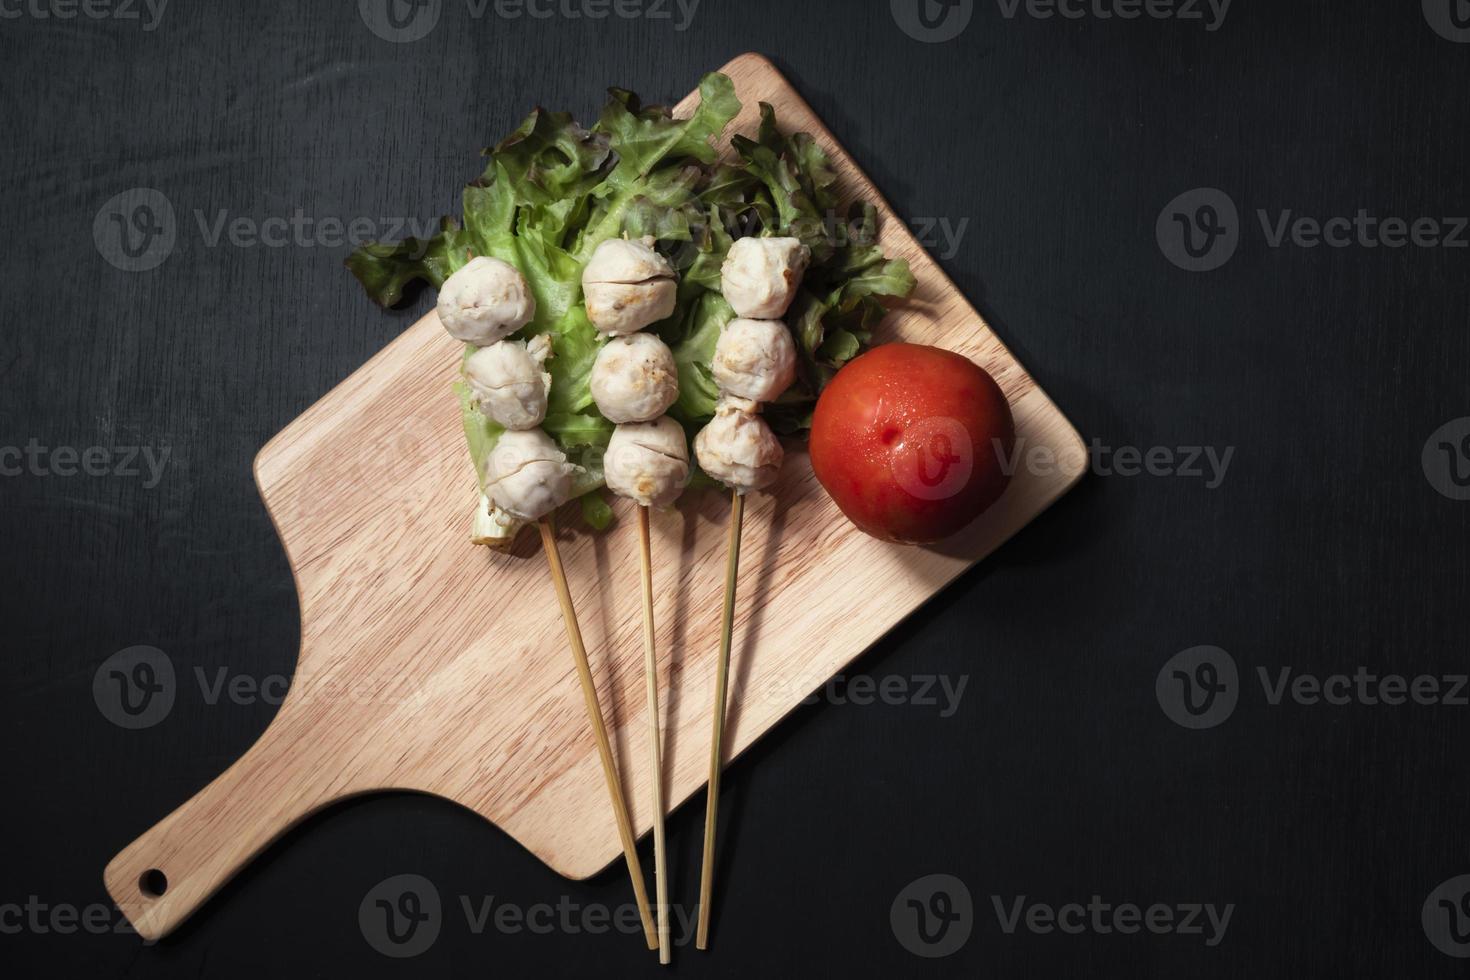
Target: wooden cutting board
[429, 664]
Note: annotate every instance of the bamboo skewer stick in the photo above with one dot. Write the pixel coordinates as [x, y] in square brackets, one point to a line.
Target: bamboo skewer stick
[594, 716]
[650, 670]
[722, 676]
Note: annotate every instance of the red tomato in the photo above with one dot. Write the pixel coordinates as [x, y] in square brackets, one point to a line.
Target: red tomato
[911, 442]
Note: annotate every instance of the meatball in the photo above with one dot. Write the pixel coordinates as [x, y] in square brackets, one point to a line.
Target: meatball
[754, 359]
[738, 448]
[634, 378]
[648, 461]
[527, 476]
[508, 382]
[485, 302]
[627, 286]
[760, 275]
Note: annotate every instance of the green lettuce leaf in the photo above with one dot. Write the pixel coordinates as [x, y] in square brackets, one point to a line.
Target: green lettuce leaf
[552, 191]
[692, 338]
[479, 431]
[386, 269]
[595, 511]
[645, 138]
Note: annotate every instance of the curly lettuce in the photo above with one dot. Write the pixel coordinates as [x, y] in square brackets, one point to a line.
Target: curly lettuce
[552, 191]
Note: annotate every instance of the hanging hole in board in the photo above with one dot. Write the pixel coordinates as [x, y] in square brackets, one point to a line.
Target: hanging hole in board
[153, 883]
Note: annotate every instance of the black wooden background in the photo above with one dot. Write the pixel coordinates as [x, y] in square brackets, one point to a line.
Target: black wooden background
[1054, 144]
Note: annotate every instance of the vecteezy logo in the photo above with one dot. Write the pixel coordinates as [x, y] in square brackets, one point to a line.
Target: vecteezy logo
[134, 688]
[1450, 19]
[1446, 459]
[400, 916]
[135, 230]
[400, 21]
[1446, 917]
[1199, 230]
[933, 916]
[1198, 687]
[932, 21]
[932, 459]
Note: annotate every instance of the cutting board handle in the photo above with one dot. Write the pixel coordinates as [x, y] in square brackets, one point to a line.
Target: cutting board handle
[159, 879]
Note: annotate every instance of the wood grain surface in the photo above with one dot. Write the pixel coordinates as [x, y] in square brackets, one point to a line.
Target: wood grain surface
[427, 664]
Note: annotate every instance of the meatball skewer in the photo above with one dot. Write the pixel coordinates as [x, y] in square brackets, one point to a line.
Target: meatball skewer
[526, 475]
[628, 286]
[754, 362]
